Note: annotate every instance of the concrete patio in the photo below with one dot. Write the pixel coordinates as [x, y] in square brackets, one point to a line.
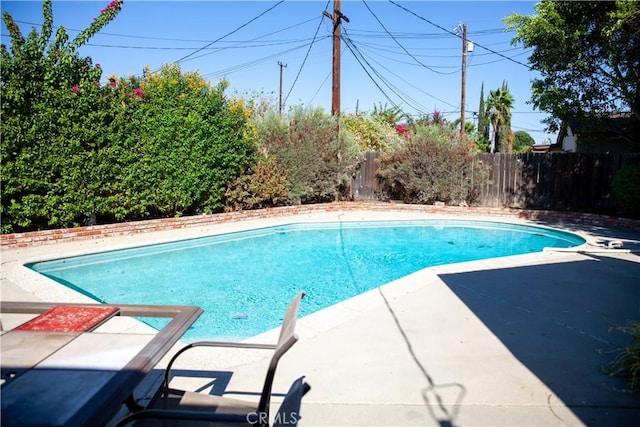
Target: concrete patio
[514, 341]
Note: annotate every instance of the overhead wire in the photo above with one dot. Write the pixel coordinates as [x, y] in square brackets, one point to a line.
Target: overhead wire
[239, 67]
[397, 42]
[412, 63]
[304, 61]
[457, 35]
[229, 33]
[413, 86]
[347, 41]
[320, 87]
[240, 45]
[396, 91]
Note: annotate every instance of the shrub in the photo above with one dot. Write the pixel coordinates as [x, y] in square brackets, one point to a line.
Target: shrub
[432, 166]
[54, 119]
[76, 152]
[627, 362]
[181, 144]
[626, 189]
[306, 145]
[522, 142]
[266, 185]
[371, 134]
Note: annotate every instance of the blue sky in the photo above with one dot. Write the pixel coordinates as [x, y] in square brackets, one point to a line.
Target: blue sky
[402, 53]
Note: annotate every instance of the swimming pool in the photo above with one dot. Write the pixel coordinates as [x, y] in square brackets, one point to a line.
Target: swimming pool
[244, 280]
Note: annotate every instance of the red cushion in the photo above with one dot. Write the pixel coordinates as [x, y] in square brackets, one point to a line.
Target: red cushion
[69, 318]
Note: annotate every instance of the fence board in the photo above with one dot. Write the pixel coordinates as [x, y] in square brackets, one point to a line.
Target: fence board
[559, 181]
[364, 181]
[580, 182]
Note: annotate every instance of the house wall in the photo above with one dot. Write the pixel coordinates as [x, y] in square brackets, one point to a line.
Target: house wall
[570, 141]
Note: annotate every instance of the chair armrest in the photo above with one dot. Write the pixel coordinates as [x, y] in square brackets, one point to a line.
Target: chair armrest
[225, 344]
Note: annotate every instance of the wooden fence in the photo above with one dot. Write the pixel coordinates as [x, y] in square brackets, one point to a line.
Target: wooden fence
[364, 182]
[579, 182]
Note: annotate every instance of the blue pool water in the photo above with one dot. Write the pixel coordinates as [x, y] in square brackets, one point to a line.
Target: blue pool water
[244, 280]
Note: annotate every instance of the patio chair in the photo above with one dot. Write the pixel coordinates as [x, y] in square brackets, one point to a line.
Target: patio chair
[189, 405]
[288, 413]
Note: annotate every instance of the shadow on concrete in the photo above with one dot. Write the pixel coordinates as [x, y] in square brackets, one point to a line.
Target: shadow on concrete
[562, 321]
[444, 415]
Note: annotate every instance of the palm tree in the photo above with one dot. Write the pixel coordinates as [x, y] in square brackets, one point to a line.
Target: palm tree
[499, 104]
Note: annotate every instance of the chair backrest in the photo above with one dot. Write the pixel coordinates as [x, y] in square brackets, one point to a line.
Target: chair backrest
[289, 412]
[286, 339]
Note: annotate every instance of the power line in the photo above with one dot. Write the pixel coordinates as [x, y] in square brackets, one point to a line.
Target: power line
[348, 42]
[241, 45]
[452, 33]
[229, 33]
[396, 91]
[413, 86]
[377, 52]
[181, 40]
[239, 67]
[307, 54]
[321, 84]
[397, 42]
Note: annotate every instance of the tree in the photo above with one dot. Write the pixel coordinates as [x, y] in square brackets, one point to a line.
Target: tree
[522, 141]
[499, 104]
[588, 56]
[483, 119]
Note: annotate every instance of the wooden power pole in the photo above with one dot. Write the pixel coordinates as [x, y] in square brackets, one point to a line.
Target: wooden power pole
[464, 78]
[280, 100]
[337, 18]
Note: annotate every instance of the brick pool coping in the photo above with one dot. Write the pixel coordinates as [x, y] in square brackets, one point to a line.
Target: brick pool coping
[38, 238]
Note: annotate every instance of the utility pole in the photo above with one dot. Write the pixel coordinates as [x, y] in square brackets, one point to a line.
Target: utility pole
[464, 78]
[280, 102]
[337, 18]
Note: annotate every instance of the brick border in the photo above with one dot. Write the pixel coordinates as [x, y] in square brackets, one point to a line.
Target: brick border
[37, 238]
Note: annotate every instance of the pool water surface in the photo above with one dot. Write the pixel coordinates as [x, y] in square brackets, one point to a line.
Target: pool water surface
[244, 280]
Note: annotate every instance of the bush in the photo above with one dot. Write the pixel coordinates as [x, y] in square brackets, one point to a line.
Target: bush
[522, 142]
[266, 185]
[306, 145]
[54, 119]
[180, 142]
[432, 166]
[627, 362]
[371, 134]
[626, 189]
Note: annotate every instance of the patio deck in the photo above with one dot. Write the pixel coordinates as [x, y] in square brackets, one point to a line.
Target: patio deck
[514, 341]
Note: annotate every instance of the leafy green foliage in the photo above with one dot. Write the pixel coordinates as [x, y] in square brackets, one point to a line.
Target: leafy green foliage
[391, 115]
[307, 146]
[627, 361]
[184, 142]
[371, 133]
[499, 104]
[53, 113]
[483, 120]
[266, 185]
[522, 142]
[432, 166]
[74, 152]
[626, 188]
[588, 57]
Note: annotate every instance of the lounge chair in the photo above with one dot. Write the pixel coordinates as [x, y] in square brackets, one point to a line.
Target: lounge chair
[173, 404]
